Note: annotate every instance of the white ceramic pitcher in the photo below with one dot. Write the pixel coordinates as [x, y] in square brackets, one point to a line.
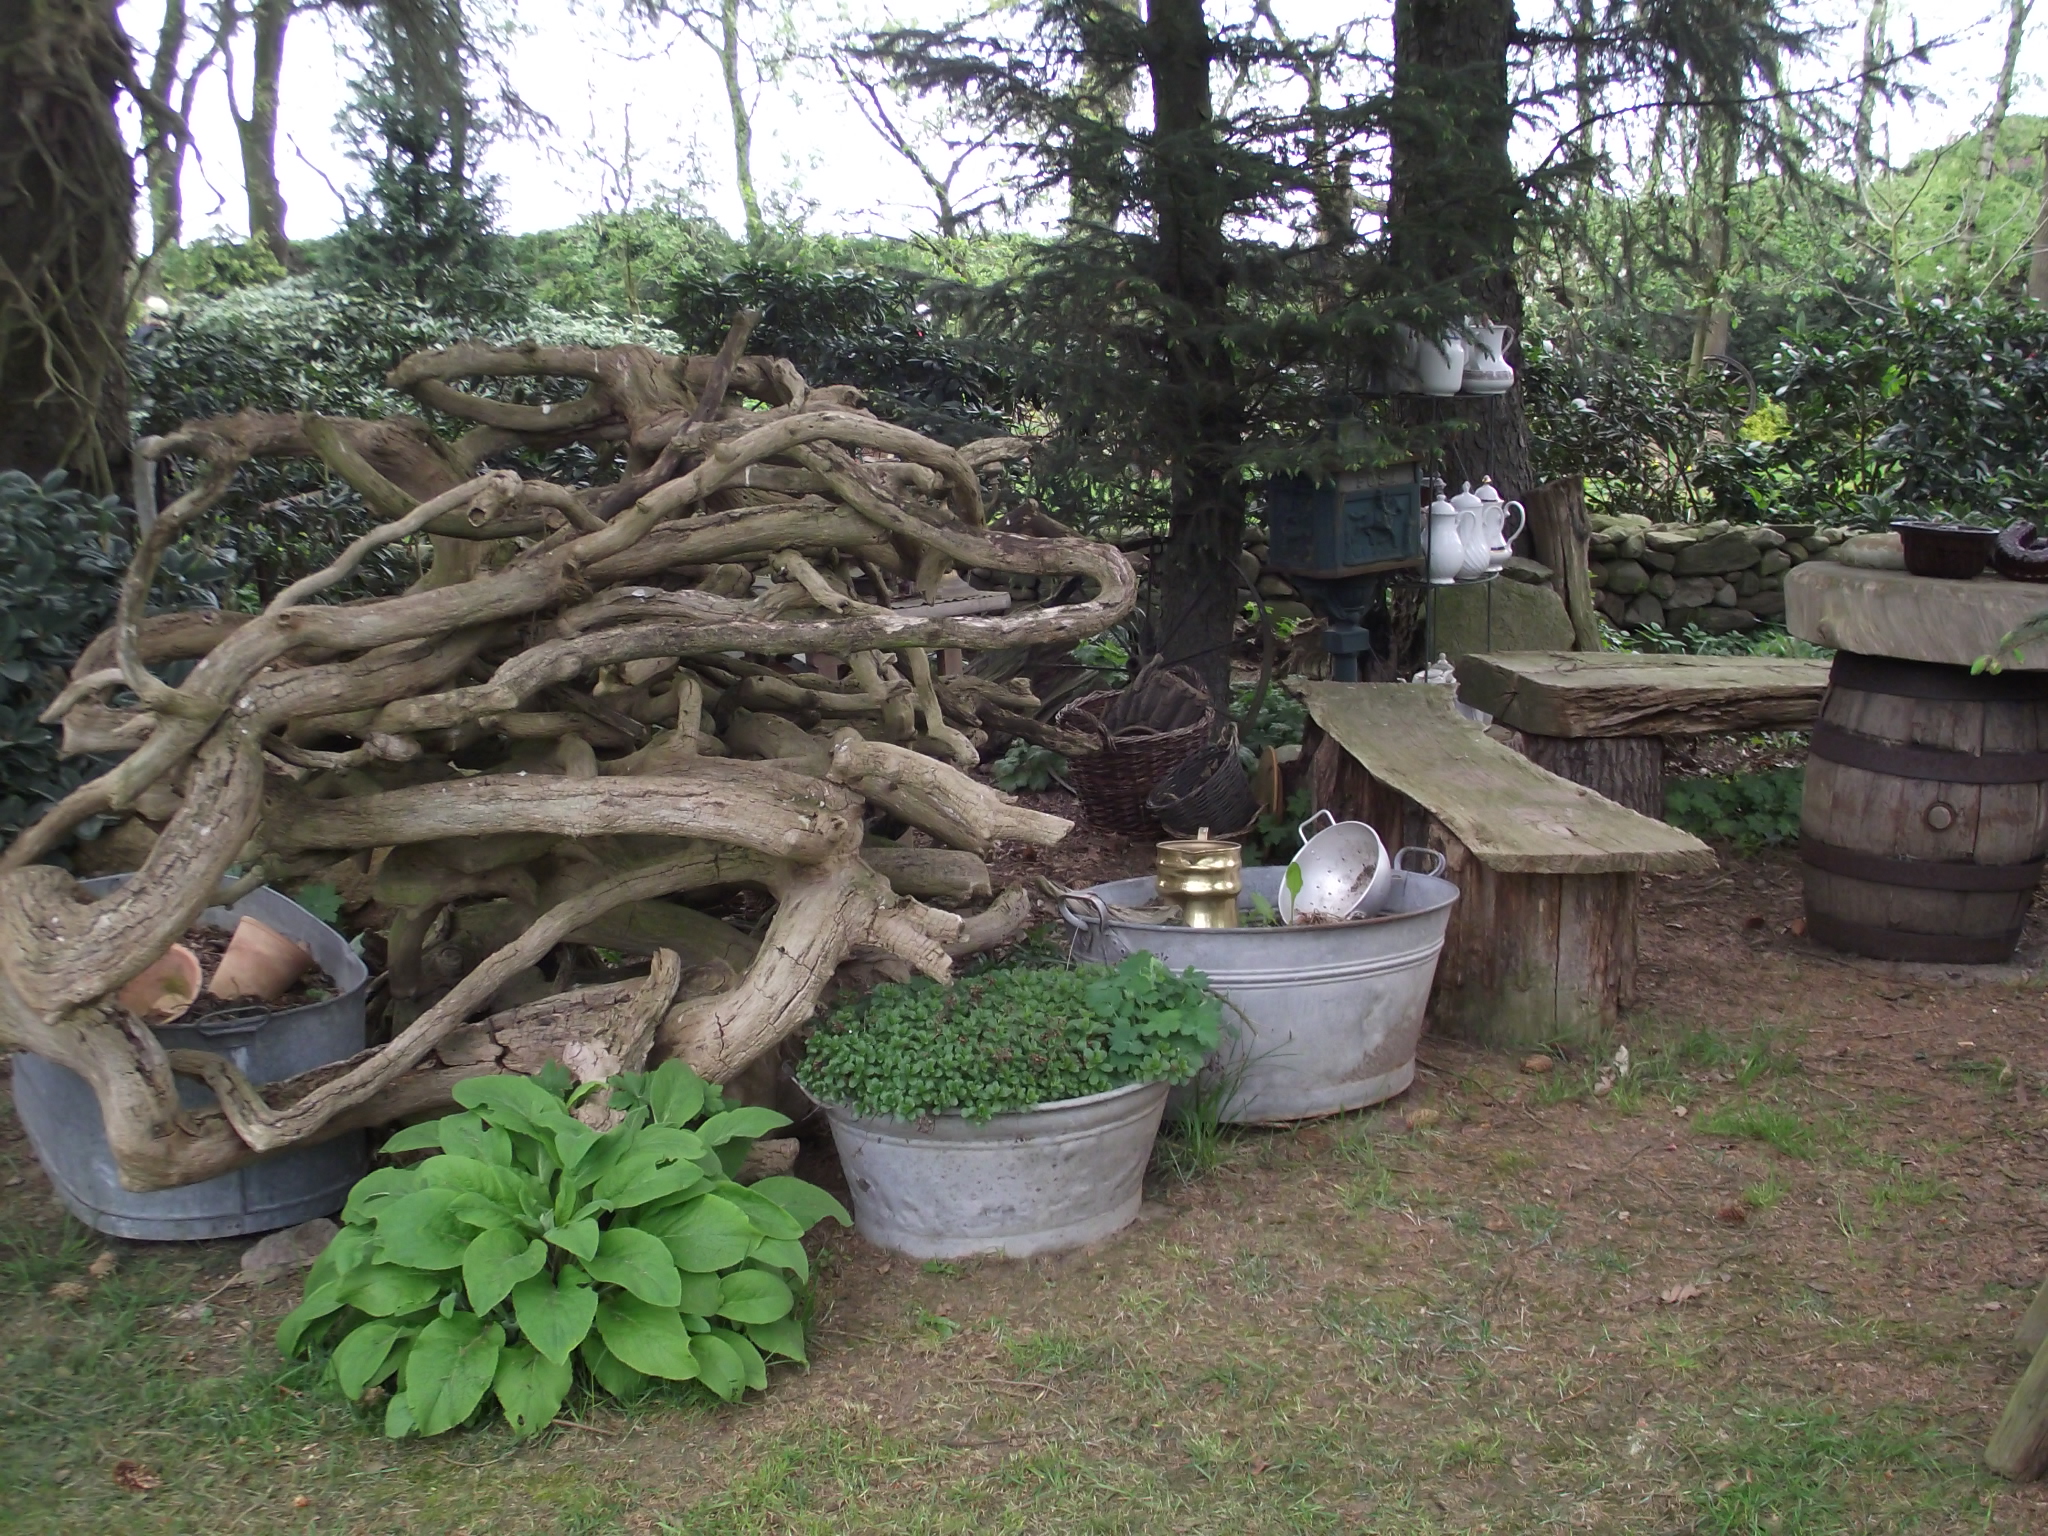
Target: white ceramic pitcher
[1435, 366]
[1486, 371]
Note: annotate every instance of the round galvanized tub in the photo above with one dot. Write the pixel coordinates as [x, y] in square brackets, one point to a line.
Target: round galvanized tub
[59, 1111]
[1054, 1176]
[1327, 1015]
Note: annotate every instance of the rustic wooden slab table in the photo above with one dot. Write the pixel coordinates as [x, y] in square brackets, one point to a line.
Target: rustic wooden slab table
[1598, 717]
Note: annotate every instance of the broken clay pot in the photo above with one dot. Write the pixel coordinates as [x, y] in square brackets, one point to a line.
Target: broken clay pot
[166, 989]
[260, 963]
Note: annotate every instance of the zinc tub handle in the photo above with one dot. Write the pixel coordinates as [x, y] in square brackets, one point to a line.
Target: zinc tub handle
[1435, 870]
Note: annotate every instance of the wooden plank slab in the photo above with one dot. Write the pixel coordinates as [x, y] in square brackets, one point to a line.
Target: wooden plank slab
[1614, 693]
[1915, 618]
[1512, 815]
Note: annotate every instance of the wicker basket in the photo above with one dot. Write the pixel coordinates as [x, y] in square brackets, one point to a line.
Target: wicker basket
[1207, 788]
[1142, 733]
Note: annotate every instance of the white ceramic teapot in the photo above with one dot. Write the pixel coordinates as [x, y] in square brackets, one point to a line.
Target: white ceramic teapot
[1447, 550]
[1493, 519]
[1486, 372]
[1472, 530]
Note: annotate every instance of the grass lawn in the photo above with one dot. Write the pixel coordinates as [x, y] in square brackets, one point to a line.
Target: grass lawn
[1766, 1282]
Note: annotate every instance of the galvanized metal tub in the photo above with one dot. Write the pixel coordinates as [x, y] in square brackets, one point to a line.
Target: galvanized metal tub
[1327, 1015]
[59, 1111]
[1054, 1176]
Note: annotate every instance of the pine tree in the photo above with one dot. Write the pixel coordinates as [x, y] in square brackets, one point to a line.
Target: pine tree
[1196, 321]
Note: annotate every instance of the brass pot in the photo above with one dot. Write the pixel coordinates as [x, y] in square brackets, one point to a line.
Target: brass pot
[1202, 876]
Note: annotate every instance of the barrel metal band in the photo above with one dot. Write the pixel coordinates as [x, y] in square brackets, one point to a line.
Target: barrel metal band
[1897, 944]
[1852, 749]
[1918, 874]
[1931, 680]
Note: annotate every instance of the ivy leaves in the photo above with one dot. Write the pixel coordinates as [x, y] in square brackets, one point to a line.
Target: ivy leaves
[1007, 1039]
[531, 1248]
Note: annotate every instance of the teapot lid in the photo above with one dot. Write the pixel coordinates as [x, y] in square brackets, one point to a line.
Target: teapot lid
[1486, 492]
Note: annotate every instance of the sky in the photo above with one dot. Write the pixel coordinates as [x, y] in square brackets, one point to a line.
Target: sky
[603, 88]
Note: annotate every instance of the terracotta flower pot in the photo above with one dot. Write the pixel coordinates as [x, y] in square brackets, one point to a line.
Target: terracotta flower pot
[260, 962]
[164, 991]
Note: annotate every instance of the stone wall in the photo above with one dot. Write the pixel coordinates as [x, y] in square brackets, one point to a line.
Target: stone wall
[1721, 576]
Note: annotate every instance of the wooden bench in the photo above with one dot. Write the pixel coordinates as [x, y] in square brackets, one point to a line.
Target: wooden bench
[1542, 943]
[1598, 717]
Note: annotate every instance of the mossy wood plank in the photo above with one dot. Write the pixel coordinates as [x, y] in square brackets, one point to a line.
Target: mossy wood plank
[1513, 816]
[1574, 693]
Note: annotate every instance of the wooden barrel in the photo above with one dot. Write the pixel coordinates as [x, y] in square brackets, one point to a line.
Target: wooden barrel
[1926, 810]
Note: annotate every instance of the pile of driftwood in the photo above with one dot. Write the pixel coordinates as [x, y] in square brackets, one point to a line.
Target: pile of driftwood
[580, 726]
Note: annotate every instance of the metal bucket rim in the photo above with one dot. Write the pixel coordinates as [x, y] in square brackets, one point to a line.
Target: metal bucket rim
[1042, 1107]
[1079, 924]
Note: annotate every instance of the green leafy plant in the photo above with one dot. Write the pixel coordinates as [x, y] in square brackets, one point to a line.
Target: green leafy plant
[1273, 839]
[1655, 639]
[1751, 810]
[1026, 765]
[1108, 655]
[1008, 1039]
[533, 1249]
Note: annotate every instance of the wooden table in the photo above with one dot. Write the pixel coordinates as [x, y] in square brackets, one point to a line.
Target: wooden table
[1541, 946]
[1598, 717]
[1911, 618]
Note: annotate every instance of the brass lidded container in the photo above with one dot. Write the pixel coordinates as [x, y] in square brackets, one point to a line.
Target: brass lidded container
[1202, 876]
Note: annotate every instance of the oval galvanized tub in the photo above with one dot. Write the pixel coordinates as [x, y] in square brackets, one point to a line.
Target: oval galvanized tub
[1327, 1016]
[1053, 1176]
[59, 1111]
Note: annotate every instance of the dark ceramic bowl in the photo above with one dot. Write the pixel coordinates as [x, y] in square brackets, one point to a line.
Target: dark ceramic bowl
[1945, 549]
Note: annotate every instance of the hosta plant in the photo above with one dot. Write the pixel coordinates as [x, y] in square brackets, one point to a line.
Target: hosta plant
[531, 1250]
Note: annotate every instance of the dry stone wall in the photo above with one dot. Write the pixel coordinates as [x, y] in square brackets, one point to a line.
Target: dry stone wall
[1721, 576]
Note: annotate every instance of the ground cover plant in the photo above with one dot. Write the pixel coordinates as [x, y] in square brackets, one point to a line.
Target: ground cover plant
[536, 1247]
[1006, 1039]
[1750, 810]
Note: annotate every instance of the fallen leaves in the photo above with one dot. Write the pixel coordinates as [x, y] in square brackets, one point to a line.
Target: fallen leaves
[135, 1477]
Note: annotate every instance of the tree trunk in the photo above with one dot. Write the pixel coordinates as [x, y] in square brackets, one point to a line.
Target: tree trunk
[67, 202]
[1987, 145]
[742, 120]
[2037, 264]
[1866, 96]
[1199, 597]
[163, 148]
[1452, 202]
[258, 133]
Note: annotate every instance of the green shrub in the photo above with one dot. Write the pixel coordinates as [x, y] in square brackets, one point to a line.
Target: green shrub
[62, 554]
[873, 329]
[1750, 810]
[299, 346]
[1007, 1039]
[533, 1250]
[1026, 765]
